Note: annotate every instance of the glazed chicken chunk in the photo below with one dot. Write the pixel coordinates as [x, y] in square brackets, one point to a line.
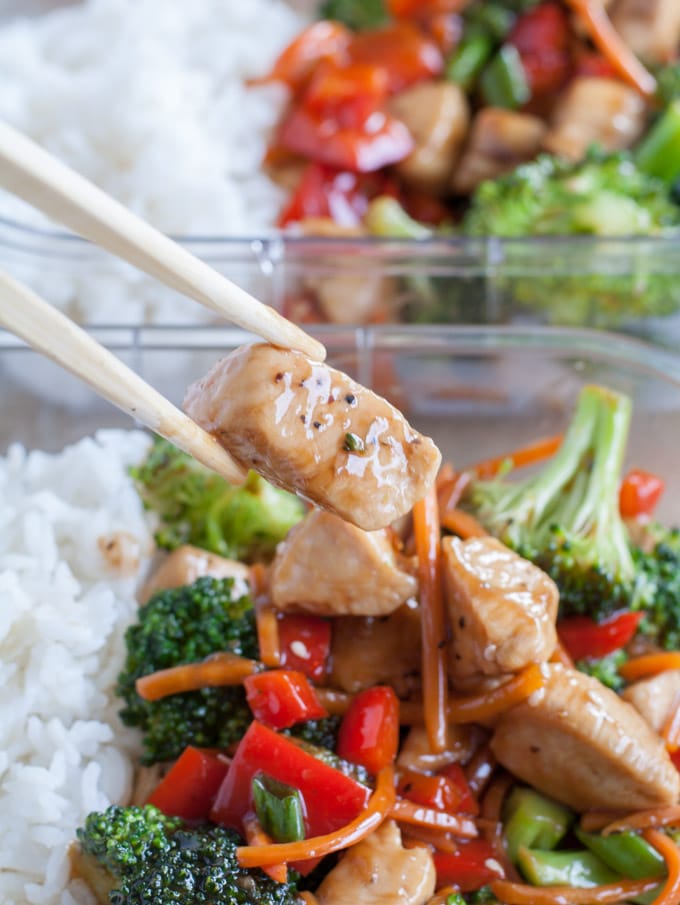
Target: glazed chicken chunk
[502, 609]
[578, 742]
[186, 564]
[380, 871]
[656, 698]
[651, 28]
[309, 428]
[329, 567]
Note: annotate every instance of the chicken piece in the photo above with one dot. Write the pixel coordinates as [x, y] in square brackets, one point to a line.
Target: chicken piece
[595, 110]
[329, 567]
[87, 868]
[367, 652]
[499, 141]
[309, 428]
[656, 698]
[651, 28]
[185, 564]
[577, 741]
[437, 116]
[350, 298]
[502, 608]
[462, 740]
[380, 871]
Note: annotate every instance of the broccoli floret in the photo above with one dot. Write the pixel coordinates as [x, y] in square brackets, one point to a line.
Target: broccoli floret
[482, 896]
[186, 625]
[355, 14]
[668, 83]
[566, 517]
[322, 733]
[661, 567]
[196, 506]
[153, 860]
[605, 669]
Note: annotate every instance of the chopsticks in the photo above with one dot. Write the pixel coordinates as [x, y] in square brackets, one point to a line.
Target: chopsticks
[40, 179]
[56, 336]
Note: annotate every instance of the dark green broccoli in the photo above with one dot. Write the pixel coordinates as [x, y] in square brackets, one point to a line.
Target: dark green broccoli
[186, 625]
[668, 83]
[321, 733]
[605, 669]
[566, 517]
[661, 567]
[482, 896]
[355, 14]
[159, 861]
[196, 506]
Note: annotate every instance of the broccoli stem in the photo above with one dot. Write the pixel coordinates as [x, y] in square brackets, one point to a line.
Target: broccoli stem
[532, 820]
[659, 153]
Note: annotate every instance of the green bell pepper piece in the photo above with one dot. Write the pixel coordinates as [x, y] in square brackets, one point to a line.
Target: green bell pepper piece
[533, 821]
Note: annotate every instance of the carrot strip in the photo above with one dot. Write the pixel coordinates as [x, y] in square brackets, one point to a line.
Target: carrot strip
[268, 641]
[594, 821]
[559, 655]
[435, 682]
[334, 701]
[222, 668]
[518, 458]
[378, 808]
[449, 494]
[445, 474]
[612, 46]
[463, 524]
[523, 894]
[492, 803]
[642, 820]
[480, 769]
[671, 729]
[670, 892]
[255, 835]
[649, 665]
[443, 841]
[308, 897]
[405, 811]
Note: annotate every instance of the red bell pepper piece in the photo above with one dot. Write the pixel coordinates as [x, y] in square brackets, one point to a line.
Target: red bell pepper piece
[305, 641]
[639, 494]
[470, 867]
[594, 64]
[369, 732]
[331, 87]
[405, 53]
[330, 798]
[438, 791]
[468, 803]
[323, 40]
[417, 9]
[282, 697]
[583, 637]
[188, 789]
[381, 140]
[542, 37]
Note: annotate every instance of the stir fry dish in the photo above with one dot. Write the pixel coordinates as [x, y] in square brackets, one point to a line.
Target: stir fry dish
[477, 703]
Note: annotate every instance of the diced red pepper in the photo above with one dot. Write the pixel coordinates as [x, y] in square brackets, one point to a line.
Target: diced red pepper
[416, 9]
[282, 697]
[594, 64]
[330, 798]
[305, 643]
[369, 732]
[468, 803]
[323, 40]
[382, 140]
[332, 87]
[675, 757]
[542, 37]
[470, 867]
[639, 494]
[583, 637]
[438, 792]
[405, 53]
[189, 787]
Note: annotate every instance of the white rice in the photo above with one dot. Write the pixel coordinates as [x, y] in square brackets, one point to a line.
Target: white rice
[63, 612]
[148, 99]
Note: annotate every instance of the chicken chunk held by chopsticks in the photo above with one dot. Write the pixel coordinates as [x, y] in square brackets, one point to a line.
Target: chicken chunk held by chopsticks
[309, 428]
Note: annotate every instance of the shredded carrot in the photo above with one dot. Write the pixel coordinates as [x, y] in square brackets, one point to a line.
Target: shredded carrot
[449, 494]
[594, 821]
[308, 897]
[404, 811]
[518, 458]
[443, 841]
[670, 892]
[559, 655]
[492, 803]
[642, 820]
[479, 707]
[480, 770]
[671, 729]
[378, 808]
[222, 668]
[523, 894]
[612, 46]
[649, 665]
[434, 677]
[334, 701]
[268, 634]
[255, 835]
[441, 897]
[463, 524]
[445, 474]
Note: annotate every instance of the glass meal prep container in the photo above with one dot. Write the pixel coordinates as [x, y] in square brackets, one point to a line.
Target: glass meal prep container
[478, 391]
[631, 285]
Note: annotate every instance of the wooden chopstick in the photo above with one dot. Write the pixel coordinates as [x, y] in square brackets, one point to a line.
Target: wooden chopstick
[33, 174]
[49, 331]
